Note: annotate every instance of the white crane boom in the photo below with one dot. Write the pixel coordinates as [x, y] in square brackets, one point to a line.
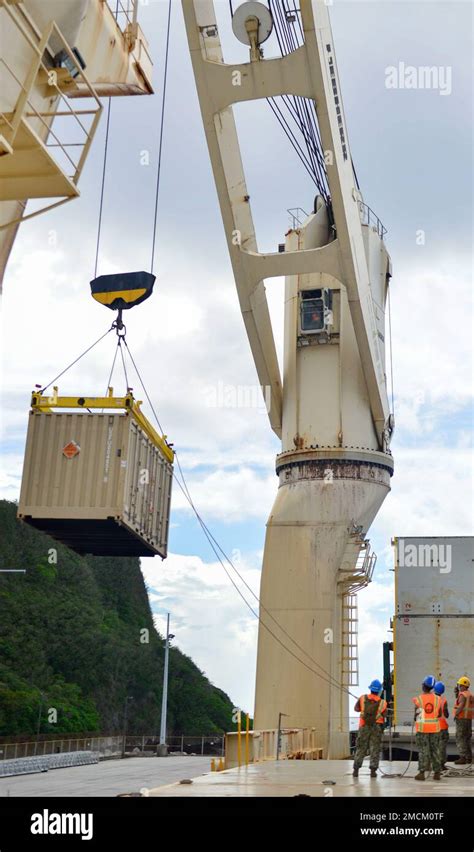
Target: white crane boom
[309, 72]
[222, 139]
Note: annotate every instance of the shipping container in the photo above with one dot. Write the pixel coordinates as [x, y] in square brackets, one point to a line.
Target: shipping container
[98, 482]
[433, 626]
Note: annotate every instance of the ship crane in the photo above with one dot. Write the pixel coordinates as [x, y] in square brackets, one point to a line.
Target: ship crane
[58, 58]
[332, 411]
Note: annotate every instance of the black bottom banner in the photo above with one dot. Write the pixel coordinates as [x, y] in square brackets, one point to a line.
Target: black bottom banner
[128, 821]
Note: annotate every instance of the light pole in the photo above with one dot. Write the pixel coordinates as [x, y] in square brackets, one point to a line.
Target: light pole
[125, 720]
[163, 748]
[279, 734]
[42, 697]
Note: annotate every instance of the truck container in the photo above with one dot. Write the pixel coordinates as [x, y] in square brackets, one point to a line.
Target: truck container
[98, 481]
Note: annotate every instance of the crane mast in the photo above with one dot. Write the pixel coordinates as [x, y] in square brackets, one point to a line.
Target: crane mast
[332, 411]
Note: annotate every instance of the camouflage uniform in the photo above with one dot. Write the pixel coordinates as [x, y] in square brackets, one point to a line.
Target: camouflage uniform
[369, 740]
[428, 752]
[463, 738]
[443, 746]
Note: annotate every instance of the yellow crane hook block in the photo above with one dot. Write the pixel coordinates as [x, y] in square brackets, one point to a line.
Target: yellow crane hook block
[96, 475]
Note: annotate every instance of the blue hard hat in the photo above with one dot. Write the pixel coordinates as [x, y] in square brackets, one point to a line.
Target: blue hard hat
[376, 686]
[439, 687]
[429, 681]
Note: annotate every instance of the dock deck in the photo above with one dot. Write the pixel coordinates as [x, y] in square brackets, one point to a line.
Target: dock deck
[312, 778]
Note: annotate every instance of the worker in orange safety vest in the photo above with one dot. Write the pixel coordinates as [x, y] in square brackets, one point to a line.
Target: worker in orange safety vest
[427, 718]
[463, 715]
[439, 689]
[372, 708]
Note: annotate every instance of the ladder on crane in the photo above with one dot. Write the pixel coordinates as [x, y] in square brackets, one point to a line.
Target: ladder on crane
[355, 573]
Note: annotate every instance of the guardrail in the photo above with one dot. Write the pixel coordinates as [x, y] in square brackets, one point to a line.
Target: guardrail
[125, 10]
[368, 217]
[34, 126]
[298, 216]
[113, 746]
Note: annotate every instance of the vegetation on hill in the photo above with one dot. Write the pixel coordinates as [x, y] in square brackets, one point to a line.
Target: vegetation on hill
[73, 636]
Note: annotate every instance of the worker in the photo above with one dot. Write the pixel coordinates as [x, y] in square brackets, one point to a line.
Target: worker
[439, 689]
[372, 709]
[463, 715]
[427, 717]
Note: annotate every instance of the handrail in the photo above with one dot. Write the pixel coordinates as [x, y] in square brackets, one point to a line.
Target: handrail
[294, 212]
[25, 111]
[38, 115]
[129, 10]
[368, 217]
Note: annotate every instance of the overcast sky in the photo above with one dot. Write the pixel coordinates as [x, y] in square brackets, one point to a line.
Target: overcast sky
[412, 149]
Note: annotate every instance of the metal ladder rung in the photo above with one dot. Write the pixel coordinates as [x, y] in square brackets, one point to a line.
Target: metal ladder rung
[350, 656]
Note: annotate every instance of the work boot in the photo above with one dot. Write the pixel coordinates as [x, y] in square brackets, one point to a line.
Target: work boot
[373, 773]
[461, 761]
[420, 776]
[355, 772]
[437, 776]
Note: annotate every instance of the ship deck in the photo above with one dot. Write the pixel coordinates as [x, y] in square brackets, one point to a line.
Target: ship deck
[316, 778]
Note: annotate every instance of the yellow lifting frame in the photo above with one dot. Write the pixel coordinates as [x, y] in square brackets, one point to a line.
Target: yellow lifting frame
[128, 403]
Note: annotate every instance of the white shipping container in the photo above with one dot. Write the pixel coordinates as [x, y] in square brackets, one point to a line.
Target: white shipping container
[425, 645]
[434, 621]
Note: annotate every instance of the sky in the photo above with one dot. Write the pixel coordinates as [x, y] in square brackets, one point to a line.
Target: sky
[412, 148]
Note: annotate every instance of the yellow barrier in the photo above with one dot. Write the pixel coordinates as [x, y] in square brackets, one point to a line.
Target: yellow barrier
[239, 739]
[296, 743]
[247, 741]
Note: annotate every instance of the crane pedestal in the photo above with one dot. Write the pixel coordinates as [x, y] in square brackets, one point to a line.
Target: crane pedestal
[319, 504]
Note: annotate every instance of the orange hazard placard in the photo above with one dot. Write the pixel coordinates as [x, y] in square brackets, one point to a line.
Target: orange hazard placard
[72, 449]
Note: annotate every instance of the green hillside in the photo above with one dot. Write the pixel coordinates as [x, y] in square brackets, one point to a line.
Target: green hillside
[71, 638]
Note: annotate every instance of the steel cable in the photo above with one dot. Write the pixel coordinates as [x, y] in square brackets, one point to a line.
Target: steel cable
[76, 360]
[160, 147]
[215, 546]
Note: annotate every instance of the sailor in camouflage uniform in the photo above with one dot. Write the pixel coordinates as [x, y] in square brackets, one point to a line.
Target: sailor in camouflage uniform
[439, 689]
[464, 714]
[428, 710]
[372, 709]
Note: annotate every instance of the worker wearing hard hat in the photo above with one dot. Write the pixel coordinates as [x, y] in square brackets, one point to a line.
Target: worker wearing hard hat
[464, 714]
[372, 708]
[439, 689]
[427, 717]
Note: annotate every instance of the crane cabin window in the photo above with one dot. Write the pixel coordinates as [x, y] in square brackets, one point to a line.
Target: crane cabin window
[314, 307]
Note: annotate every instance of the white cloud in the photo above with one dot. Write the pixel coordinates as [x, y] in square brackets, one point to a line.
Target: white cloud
[211, 622]
[10, 482]
[432, 493]
[432, 340]
[230, 495]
